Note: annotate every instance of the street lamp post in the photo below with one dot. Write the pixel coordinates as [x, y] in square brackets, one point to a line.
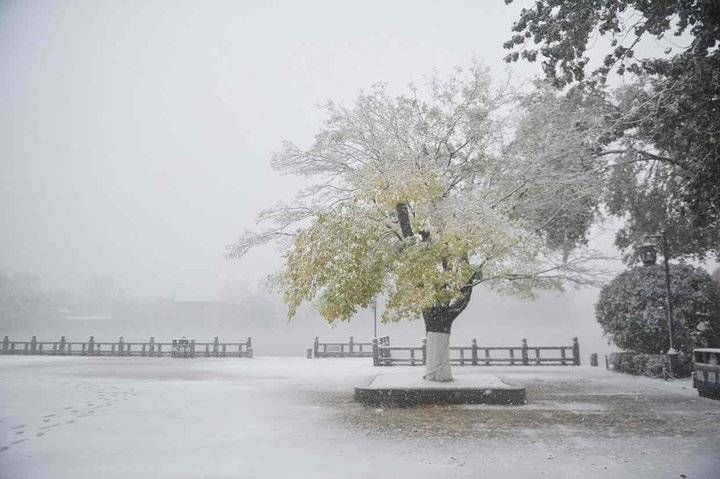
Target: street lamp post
[648, 255]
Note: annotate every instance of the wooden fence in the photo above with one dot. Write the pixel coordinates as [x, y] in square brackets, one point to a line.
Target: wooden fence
[351, 349]
[151, 348]
[474, 355]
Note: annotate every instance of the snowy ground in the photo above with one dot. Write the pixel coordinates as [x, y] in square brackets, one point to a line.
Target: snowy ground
[295, 418]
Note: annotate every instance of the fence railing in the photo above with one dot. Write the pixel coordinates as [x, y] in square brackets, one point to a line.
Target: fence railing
[351, 349]
[474, 355]
[121, 347]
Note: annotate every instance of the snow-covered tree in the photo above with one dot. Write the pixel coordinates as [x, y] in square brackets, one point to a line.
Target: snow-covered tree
[662, 125]
[582, 126]
[420, 198]
[631, 309]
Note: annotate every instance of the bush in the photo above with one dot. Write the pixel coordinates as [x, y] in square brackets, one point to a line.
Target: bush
[650, 365]
[631, 309]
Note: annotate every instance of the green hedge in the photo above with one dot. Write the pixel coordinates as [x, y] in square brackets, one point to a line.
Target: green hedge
[651, 365]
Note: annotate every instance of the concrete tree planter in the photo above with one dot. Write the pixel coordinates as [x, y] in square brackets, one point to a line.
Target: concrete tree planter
[407, 389]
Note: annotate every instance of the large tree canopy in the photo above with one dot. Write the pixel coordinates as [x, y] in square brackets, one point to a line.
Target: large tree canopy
[631, 309]
[421, 197]
[663, 125]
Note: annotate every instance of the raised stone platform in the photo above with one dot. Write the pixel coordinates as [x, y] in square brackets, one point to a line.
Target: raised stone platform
[409, 389]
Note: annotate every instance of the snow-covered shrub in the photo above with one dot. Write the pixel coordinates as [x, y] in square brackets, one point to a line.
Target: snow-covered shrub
[631, 309]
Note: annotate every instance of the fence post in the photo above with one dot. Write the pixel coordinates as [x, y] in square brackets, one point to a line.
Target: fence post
[250, 352]
[376, 353]
[33, 345]
[316, 347]
[576, 351]
[525, 360]
[512, 356]
[62, 345]
[152, 346]
[350, 346]
[424, 351]
[5, 344]
[121, 343]
[192, 348]
[91, 345]
[474, 352]
[309, 353]
[607, 363]
[216, 346]
[594, 359]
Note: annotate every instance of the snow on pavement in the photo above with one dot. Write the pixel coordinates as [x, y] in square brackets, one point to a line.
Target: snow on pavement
[64, 417]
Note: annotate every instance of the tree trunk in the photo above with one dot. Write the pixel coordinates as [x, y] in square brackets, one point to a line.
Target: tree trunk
[437, 364]
[438, 319]
[438, 322]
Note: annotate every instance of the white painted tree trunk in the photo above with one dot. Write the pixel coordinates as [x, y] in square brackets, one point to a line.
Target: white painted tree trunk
[437, 364]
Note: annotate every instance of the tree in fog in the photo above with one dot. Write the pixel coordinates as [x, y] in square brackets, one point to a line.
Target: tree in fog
[662, 126]
[20, 292]
[646, 192]
[421, 198]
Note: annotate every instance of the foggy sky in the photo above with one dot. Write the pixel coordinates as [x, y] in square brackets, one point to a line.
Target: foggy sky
[135, 136]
